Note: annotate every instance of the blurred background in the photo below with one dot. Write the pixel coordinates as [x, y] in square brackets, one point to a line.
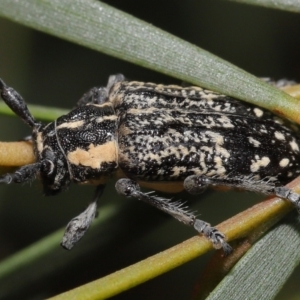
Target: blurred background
[52, 72]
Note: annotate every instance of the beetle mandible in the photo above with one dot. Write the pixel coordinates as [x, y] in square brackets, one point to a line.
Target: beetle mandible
[153, 133]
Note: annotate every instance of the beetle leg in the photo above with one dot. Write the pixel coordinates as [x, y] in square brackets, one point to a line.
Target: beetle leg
[23, 174]
[79, 225]
[195, 184]
[27, 138]
[288, 194]
[113, 79]
[99, 95]
[96, 95]
[130, 188]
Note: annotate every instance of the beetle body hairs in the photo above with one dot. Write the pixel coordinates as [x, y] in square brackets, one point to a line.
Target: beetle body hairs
[157, 134]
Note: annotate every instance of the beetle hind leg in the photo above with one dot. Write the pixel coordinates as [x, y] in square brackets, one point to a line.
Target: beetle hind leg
[130, 188]
[195, 184]
[288, 194]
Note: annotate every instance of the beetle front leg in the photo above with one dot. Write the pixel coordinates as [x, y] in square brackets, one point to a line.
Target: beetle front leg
[130, 188]
[22, 175]
[79, 225]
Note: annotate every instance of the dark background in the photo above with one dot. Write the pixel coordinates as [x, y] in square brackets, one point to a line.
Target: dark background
[50, 71]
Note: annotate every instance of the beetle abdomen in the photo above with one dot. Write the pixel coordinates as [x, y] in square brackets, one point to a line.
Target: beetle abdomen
[173, 143]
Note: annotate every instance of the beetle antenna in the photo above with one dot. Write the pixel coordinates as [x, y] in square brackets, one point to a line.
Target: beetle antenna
[16, 103]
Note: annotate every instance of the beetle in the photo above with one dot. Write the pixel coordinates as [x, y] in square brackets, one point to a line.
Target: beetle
[159, 135]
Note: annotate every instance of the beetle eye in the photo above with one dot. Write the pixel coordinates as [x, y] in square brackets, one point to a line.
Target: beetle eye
[47, 167]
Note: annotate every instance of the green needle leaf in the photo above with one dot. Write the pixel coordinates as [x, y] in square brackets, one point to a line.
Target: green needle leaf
[261, 273]
[106, 29]
[289, 5]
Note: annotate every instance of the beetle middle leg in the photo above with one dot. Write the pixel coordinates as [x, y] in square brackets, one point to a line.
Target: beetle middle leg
[96, 95]
[130, 188]
[99, 95]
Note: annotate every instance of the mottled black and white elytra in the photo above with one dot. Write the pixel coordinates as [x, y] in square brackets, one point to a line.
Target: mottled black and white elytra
[156, 135]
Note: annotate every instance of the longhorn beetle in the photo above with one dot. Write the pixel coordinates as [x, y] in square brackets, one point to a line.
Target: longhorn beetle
[156, 134]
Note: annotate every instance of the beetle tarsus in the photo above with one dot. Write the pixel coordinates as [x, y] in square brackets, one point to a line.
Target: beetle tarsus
[214, 235]
[286, 193]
